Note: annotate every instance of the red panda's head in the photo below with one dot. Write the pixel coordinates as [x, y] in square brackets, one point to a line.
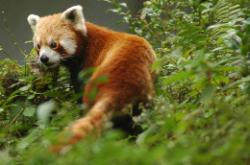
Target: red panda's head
[58, 37]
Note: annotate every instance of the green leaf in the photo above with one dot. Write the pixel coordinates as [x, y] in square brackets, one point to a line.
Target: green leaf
[25, 88]
[207, 92]
[124, 4]
[180, 76]
[101, 80]
[29, 112]
[92, 94]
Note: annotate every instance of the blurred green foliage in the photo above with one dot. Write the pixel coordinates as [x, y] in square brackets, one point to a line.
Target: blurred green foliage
[201, 110]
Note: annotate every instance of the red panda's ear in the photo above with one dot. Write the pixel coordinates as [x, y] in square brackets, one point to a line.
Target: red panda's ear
[75, 16]
[32, 20]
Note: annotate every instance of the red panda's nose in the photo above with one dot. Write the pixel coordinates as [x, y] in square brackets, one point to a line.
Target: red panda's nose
[44, 59]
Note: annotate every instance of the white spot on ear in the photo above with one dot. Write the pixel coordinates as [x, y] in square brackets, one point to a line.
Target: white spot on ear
[32, 20]
[75, 16]
[69, 45]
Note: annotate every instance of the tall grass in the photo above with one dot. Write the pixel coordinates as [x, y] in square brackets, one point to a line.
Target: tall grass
[201, 110]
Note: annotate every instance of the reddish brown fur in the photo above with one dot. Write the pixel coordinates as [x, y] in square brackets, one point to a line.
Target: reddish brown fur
[123, 58]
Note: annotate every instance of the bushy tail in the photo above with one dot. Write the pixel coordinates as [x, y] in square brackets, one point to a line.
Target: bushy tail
[93, 122]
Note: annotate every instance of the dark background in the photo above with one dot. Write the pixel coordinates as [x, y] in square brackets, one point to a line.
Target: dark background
[15, 31]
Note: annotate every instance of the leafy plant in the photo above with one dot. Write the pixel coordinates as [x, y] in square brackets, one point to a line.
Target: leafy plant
[200, 113]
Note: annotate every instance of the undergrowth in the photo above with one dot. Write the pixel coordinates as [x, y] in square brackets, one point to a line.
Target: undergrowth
[200, 112]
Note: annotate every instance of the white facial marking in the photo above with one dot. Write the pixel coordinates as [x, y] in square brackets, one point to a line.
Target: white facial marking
[69, 45]
[54, 57]
[49, 39]
[37, 40]
[35, 44]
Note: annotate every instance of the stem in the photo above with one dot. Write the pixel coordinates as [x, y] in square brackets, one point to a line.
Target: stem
[15, 118]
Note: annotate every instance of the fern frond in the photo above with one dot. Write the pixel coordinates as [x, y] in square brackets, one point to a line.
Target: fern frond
[228, 18]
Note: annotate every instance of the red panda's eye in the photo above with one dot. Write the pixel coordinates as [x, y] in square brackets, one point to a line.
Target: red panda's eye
[53, 45]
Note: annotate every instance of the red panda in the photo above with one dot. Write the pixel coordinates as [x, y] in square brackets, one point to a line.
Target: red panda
[125, 59]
